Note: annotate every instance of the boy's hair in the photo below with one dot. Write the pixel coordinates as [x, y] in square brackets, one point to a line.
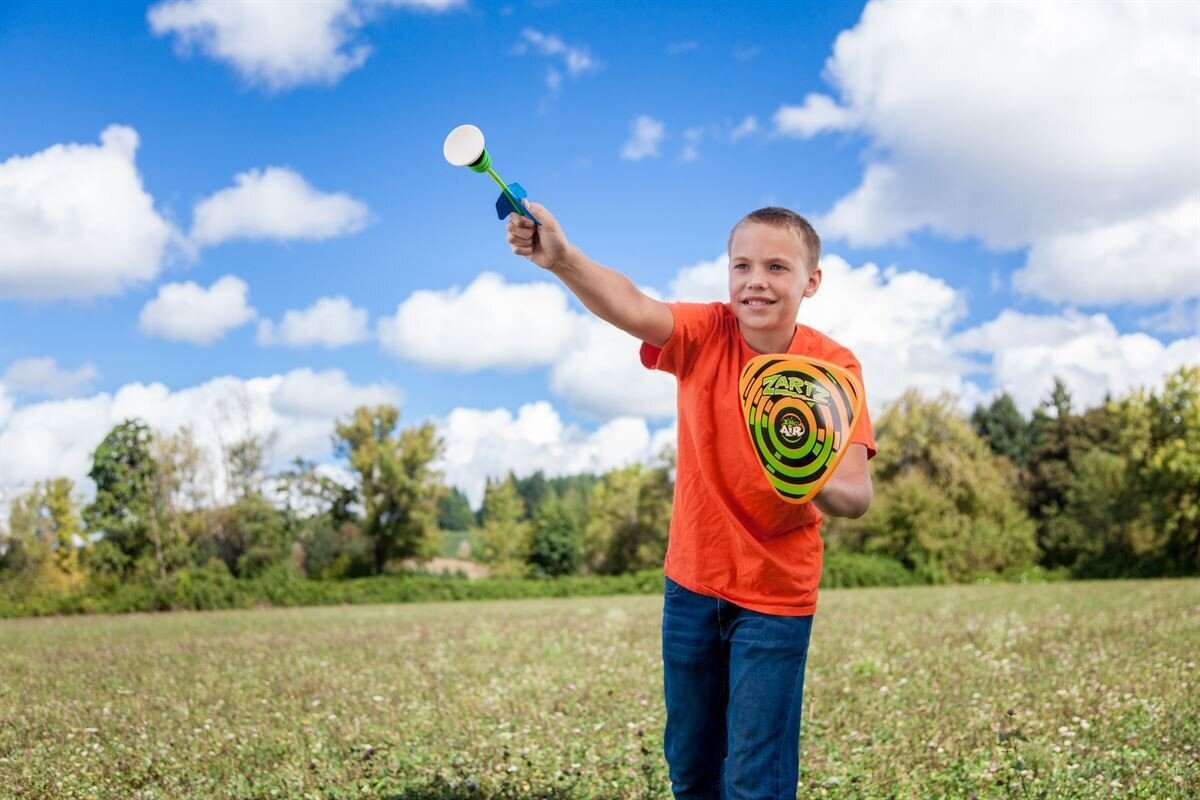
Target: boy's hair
[786, 218]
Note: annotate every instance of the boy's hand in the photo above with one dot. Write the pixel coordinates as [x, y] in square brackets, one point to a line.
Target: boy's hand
[546, 246]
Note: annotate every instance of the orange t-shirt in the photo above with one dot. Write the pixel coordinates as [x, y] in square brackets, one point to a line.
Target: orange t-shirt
[731, 535]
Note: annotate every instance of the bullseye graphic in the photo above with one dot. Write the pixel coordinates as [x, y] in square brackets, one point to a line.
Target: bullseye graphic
[800, 414]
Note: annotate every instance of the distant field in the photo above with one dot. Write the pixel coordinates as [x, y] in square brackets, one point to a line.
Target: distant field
[1084, 690]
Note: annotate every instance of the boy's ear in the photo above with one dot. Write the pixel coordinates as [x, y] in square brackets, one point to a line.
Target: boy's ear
[814, 282]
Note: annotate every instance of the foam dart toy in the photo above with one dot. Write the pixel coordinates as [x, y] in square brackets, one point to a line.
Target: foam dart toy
[800, 414]
[464, 148]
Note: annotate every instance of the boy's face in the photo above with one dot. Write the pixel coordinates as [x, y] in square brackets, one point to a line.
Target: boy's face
[768, 277]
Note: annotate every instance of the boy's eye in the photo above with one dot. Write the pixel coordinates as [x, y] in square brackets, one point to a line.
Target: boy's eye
[740, 266]
[777, 267]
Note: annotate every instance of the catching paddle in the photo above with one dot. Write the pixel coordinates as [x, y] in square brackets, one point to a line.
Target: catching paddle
[800, 414]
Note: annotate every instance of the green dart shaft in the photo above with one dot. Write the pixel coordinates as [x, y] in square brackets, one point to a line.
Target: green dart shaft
[504, 188]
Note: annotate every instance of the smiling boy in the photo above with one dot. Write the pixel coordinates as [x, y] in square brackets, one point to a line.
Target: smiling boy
[742, 565]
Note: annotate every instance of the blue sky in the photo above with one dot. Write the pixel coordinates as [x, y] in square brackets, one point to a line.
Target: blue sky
[999, 197]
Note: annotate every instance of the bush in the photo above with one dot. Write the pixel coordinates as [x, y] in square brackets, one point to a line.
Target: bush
[210, 589]
[846, 570]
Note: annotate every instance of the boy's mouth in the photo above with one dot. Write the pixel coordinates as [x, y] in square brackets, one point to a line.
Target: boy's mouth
[757, 301]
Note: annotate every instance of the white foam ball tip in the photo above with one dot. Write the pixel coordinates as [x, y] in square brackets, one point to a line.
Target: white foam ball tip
[463, 146]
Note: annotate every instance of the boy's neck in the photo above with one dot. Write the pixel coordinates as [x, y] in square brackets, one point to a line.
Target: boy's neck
[773, 341]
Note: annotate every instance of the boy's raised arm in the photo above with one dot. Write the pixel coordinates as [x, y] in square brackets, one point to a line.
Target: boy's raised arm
[607, 293]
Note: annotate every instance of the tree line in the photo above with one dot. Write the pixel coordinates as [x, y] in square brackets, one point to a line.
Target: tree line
[1107, 491]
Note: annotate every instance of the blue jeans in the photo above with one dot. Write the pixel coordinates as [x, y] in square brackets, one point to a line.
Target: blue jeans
[734, 684]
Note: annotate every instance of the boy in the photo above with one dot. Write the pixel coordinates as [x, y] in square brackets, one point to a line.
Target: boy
[742, 565]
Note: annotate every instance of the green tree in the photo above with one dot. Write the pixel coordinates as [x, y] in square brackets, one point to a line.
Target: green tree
[454, 512]
[629, 515]
[398, 486]
[534, 490]
[123, 469]
[41, 553]
[556, 547]
[945, 506]
[318, 514]
[1059, 484]
[1004, 428]
[504, 541]
[178, 489]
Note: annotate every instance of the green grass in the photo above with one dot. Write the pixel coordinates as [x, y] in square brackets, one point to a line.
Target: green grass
[1065, 690]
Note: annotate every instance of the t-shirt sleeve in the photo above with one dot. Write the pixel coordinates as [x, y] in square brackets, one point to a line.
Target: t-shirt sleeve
[694, 323]
[863, 434]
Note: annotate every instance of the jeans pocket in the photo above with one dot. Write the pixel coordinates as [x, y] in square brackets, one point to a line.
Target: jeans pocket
[672, 588]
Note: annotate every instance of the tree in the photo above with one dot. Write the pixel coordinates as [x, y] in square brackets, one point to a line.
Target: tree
[454, 512]
[629, 515]
[45, 532]
[1005, 430]
[945, 506]
[319, 518]
[123, 469]
[398, 486]
[505, 537]
[178, 489]
[556, 547]
[534, 489]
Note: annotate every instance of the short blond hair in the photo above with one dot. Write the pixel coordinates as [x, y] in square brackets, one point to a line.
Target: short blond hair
[786, 218]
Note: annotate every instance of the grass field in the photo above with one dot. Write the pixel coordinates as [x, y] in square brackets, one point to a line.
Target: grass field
[1068, 690]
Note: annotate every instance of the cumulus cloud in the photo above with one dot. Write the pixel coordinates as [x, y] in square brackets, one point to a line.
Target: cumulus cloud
[603, 377]
[77, 221]
[329, 322]
[190, 313]
[1137, 260]
[43, 376]
[1093, 359]
[490, 324]
[645, 134]
[1017, 124]
[489, 443]
[295, 412]
[278, 44]
[275, 203]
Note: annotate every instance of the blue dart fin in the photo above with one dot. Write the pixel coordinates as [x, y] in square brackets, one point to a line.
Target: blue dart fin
[505, 206]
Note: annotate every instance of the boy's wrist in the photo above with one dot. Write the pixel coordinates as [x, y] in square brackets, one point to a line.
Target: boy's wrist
[568, 262]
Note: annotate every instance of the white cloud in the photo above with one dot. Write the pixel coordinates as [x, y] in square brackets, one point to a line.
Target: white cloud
[275, 203]
[1135, 260]
[278, 44]
[1025, 125]
[746, 127]
[602, 376]
[706, 282]
[480, 444]
[819, 113]
[295, 411]
[1087, 352]
[43, 376]
[577, 60]
[329, 322]
[77, 221]
[490, 324]
[188, 312]
[645, 134]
